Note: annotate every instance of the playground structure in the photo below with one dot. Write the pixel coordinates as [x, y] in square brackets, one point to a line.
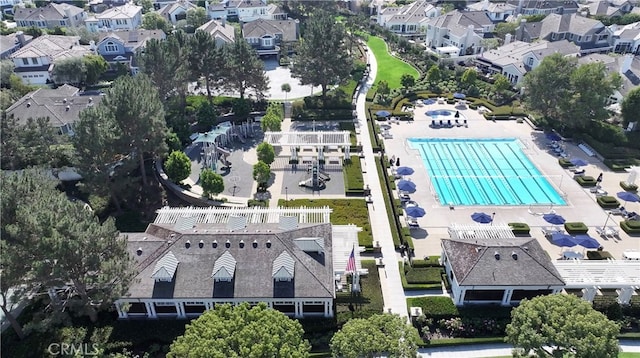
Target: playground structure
[213, 142]
[317, 180]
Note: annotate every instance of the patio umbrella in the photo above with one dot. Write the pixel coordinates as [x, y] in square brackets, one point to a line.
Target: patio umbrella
[579, 162]
[586, 241]
[627, 196]
[554, 219]
[482, 218]
[383, 113]
[553, 136]
[429, 101]
[459, 95]
[404, 171]
[406, 185]
[415, 211]
[563, 240]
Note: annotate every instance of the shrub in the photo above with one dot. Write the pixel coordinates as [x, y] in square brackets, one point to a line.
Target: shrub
[423, 275]
[608, 202]
[431, 261]
[575, 228]
[631, 227]
[177, 166]
[599, 255]
[628, 187]
[565, 163]
[436, 307]
[416, 277]
[586, 181]
[519, 228]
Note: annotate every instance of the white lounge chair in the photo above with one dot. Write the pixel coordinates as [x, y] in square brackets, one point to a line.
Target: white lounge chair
[619, 211]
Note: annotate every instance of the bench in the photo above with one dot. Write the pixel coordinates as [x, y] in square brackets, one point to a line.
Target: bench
[588, 151]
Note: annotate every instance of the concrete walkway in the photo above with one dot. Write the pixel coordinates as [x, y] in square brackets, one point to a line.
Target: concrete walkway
[392, 292]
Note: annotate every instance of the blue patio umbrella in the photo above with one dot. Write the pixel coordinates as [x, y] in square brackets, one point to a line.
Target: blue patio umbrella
[586, 241]
[563, 240]
[383, 113]
[429, 101]
[404, 171]
[415, 211]
[482, 218]
[579, 162]
[406, 185]
[553, 136]
[554, 219]
[459, 95]
[627, 196]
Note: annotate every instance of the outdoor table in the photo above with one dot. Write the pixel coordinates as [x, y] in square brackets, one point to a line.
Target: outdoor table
[631, 255]
[569, 255]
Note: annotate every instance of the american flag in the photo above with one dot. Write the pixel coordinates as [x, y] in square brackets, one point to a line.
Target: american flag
[351, 263]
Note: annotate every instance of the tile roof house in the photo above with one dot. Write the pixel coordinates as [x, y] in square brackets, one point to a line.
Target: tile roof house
[34, 62]
[176, 11]
[409, 20]
[192, 262]
[125, 17]
[515, 59]
[121, 46]
[628, 66]
[269, 37]
[61, 106]
[502, 271]
[248, 10]
[460, 30]
[497, 12]
[544, 7]
[221, 32]
[50, 16]
[12, 42]
[626, 39]
[591, 35]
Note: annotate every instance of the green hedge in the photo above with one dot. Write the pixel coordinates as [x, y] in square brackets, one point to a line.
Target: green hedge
[395, 235]
[462, 341]
[565, 163]
[608, 202]
[586, 181]
[416, 286]
[353, 180]
[619, 165]
[599, 255]
[431, 261]
[423, 274]
[321, 114]
[520, 228]
[628, 187]
[576, 228]
[631, 227]
[437, 307]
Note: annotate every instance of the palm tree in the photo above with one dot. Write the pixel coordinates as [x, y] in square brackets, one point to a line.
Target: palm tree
[286, 88]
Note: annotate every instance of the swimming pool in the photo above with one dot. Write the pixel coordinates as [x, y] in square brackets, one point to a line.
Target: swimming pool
[484, 172]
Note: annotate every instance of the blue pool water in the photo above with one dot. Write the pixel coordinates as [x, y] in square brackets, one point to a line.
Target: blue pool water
[483, 172]
[436, 113]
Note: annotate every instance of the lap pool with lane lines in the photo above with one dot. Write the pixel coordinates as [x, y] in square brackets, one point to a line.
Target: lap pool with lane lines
[484, 172]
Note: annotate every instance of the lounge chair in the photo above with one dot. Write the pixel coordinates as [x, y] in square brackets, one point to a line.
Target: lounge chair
[449, 123]
[458, 123]
[579, 172]
[465, 123]
[619, 211]
[441, 123]
[433, 124]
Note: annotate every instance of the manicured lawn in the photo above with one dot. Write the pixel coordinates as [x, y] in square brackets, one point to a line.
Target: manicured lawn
[369, 301]
[390, 68]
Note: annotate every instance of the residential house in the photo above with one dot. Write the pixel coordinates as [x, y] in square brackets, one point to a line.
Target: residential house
[460, 31]
[626, 39]
[121, 47]
[176, 11]
[544, 7]
[191, 259]
[221, 32]
[628, 66]
[50, 16]
[591, 35]
[125, 17]
[409, 20]
[98, 6]
[35, 61]
[7, 6]
[515, 59]
[12, 42]
[500, 271]
[608, 8]
[216, 10]
[276, 12]
[271, 37]
[497, 11]
[248, 10]
[62, 106]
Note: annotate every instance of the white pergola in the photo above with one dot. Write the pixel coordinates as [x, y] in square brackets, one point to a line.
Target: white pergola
[345, 239]
[481, 232]
[590, 276]
[255, 215]
[318, 140]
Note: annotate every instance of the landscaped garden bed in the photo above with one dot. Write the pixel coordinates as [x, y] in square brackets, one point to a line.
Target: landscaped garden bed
[420, 278]
[353, 180]
[368, 303]
[608, 202]
[631, 227]
[574, 228]
[586, 181]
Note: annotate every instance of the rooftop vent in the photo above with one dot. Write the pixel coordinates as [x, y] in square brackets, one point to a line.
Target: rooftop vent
[255, 244]
[187, 244]
[201, 244]
[227, 244]
[64, 100]
[478, 249]
[214, 244]
[241, 244]
[67, 108]
[90, 99]
[139, 251]
[514, 255]
[28, 104]
[268, 244]
[497, 255]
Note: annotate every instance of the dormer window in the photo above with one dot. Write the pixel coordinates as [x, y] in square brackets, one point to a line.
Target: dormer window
[110, 47]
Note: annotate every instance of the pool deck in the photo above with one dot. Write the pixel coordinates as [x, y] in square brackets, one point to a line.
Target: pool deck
[581, 204]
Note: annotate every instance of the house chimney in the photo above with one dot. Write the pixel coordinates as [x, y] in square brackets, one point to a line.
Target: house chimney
[626, 65]
[507, 39]
[21, 38]
[223, 20]
[92, 45]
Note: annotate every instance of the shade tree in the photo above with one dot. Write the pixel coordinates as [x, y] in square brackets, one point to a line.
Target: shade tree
[243, 70]
[266, 153]
[211, 183]
[261, 173]
[630, 107]
[548, 86]
[177, 166]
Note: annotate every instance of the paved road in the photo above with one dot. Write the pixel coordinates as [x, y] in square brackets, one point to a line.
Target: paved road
[497, 350]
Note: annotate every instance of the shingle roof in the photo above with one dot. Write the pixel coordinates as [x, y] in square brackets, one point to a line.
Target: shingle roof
[410, 13]
[496, 7]
[126, 11]
[546, 4]
[570, 23]
[458, 22]
[614, 64]
[514, 52]
[50, 103]
[166, 10]
[245, 3]
[514, 262]
[133, 39]
[262, 27]
[50, 12]
[216, 29]
[253, 276]
[51, 46]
